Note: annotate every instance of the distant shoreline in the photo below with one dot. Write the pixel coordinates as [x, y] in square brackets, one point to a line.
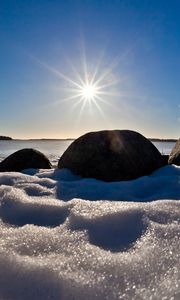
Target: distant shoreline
[41, 139]
[69, 139]
[6, 138]
[162, 140]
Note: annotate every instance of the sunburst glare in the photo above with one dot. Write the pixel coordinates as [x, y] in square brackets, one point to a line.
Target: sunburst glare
[93, 87]
[89, 92]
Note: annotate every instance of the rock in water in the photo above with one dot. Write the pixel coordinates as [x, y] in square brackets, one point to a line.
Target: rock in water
[112, 155]
[25, 159]
[174, 157]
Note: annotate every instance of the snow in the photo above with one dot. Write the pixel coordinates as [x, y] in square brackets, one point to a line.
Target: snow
[56, 243]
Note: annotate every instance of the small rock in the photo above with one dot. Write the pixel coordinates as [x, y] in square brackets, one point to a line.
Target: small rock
[25, 159]
[174, 157]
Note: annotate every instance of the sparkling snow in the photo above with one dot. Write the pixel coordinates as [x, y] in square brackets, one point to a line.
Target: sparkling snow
[56, 243]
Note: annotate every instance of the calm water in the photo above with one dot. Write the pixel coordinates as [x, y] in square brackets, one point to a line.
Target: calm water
[53, 149]
[164, 147]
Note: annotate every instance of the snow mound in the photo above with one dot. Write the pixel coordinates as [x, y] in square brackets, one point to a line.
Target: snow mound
[124, 245]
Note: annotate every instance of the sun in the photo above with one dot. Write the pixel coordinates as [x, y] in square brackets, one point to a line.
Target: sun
[89, 87]
[89, 91]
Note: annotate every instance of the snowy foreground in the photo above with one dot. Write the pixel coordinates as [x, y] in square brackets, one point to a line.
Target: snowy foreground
[54, 245]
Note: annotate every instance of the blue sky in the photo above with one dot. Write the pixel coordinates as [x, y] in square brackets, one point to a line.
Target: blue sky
[132, 45]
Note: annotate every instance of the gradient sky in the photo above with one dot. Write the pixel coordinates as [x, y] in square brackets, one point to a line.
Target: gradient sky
[133, 45]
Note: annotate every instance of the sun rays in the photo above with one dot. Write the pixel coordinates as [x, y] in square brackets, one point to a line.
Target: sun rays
[86, 87]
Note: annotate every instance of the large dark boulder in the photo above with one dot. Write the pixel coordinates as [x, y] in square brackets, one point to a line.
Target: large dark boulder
[25, 159]
[174, 157]
[112, 155]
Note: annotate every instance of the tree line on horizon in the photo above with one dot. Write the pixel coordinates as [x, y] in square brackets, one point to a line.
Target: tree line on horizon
[3, 137]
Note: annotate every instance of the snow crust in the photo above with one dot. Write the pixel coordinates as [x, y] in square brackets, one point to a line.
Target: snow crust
[56, 243]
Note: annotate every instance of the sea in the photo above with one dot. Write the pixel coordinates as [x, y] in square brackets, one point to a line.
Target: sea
[53, 149]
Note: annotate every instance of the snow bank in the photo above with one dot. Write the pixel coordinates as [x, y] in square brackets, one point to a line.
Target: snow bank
[124, 247]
